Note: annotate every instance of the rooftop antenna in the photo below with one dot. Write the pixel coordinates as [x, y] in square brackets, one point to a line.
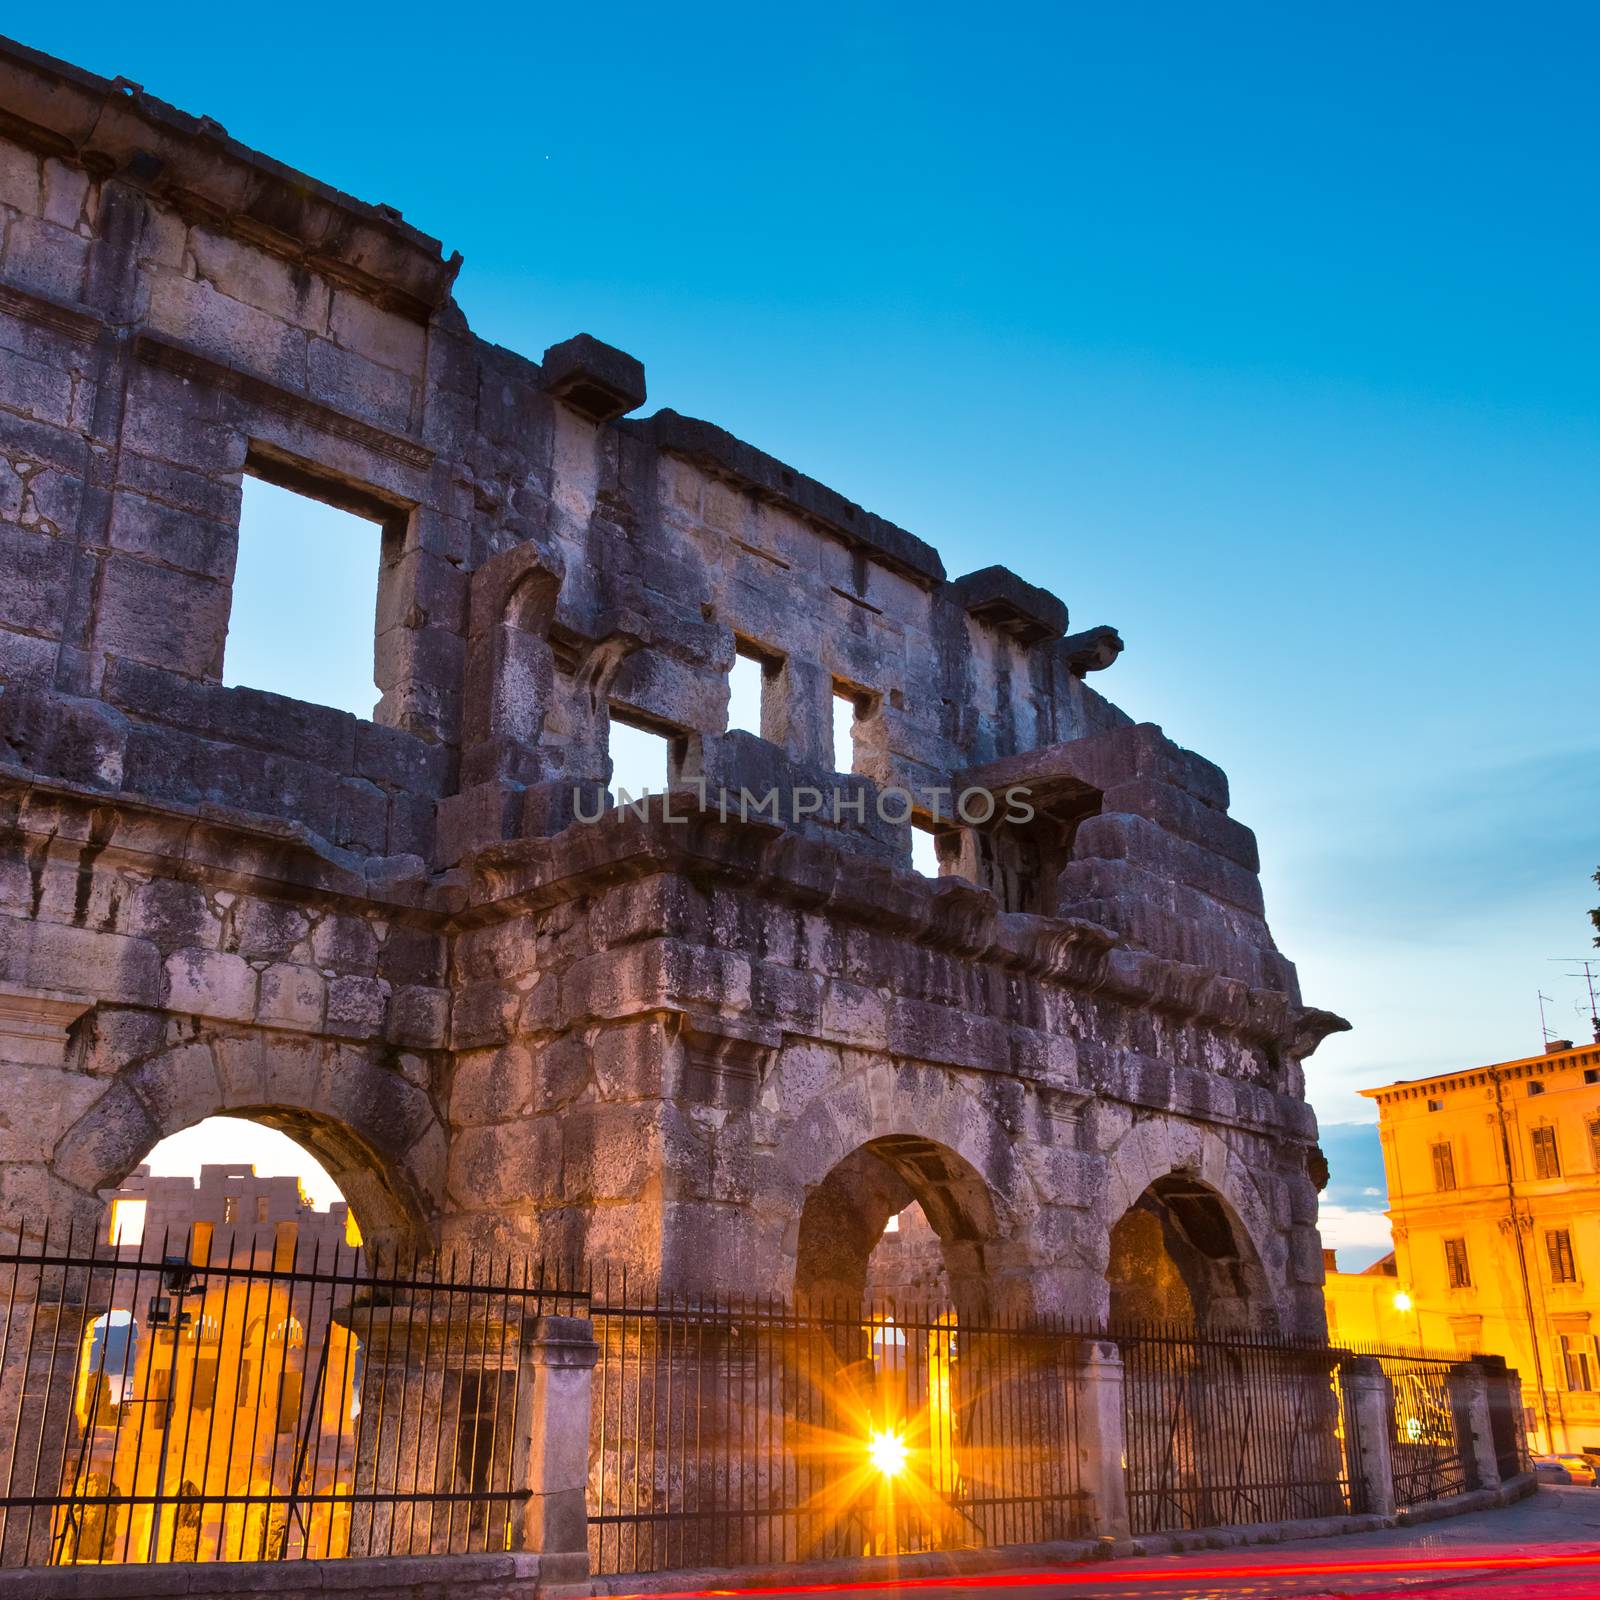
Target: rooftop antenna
[1589, 965]
[1544, 1027]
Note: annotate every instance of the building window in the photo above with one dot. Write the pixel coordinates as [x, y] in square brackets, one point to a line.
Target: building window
[1535, 1088]
[641, 760]
[1455, 1263]
[230, 1208]
[127, 1221]
[1576, 1364]
[1591, 1074]
[1558, 1245]
[1444, 1168]
[849, 708]
[745, 684]
[1546, 1160]
[263, 1208]
[1436, 1105]
[293, 637]
[1594, 1144]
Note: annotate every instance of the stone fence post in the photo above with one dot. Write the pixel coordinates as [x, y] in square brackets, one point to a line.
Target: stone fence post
[1469, 1410]
[1097, 1393]
[1368, 1398]
[559, 1355]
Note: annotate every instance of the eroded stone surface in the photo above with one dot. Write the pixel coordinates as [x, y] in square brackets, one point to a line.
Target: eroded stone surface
[665, 1040]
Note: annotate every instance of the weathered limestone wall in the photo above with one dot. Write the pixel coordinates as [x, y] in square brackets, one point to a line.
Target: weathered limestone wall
[669, 1041]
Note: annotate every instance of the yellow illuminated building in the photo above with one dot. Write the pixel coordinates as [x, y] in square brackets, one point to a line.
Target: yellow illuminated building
[1494, 1200]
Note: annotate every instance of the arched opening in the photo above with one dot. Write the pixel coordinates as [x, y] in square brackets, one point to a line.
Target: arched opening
[228, 1254]
[370, 1130]
[841, 1252]
[1180, 1255]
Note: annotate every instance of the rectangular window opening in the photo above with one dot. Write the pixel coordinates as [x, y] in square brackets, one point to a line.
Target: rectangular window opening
[1455, 1260]
[305, 598]
[1444, 1168]
[641, 760]
[1558, 1246]
[1546, 1157]
[847, 709]
[924, 852]
[127, 1221]
[745, 684]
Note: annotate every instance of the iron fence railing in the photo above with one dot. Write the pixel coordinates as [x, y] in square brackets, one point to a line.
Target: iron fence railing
[1423, 1449]
[1226, 1428]
[727, 1433]
[195, 1400]
[192, 1398]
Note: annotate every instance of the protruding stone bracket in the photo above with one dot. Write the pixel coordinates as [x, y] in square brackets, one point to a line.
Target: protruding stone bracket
[997, 596]
[597, 380]
[1311, 1027]
[1091, 651]
[723, 1062]
[35, 1024]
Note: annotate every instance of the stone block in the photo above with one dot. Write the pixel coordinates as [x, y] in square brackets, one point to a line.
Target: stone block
[347, 943]
[508, 1164]
[395, 759]
[288, 292]
[419, 1016]
[267, 929]
[356, 1007]
[37, 567]
[162, 616]
[44, 258]
[939, 1033]
[292, 997]
[172, 914]
[110, 966]
[349, 382]
[652, 974]
[177, 538]
[210, 983]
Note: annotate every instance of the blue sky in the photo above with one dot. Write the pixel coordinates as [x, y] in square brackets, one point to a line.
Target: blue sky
[1267, 335]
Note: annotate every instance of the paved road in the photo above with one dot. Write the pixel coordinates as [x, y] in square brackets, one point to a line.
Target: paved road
[1544, 1548]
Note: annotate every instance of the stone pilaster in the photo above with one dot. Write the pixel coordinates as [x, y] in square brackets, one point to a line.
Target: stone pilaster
[1469, 1410]
[1097, 1386]
[1368, 1408]
[559, 1356]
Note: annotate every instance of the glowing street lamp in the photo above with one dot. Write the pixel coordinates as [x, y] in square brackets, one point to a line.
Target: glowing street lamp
[886, 1450]
[1402, 1301]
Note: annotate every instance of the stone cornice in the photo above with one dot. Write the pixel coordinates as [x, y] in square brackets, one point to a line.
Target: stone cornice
[951, 914]
[114, 127]
[253, 852]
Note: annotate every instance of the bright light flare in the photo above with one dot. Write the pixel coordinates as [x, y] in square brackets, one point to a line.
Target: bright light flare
[1402, 1301]
[886, 1450]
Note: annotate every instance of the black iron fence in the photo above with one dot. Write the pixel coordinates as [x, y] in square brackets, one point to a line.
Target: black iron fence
[1423, 1448]
[259, 1400]
[197, 1398]
[1232, 1428]
[729, 1433]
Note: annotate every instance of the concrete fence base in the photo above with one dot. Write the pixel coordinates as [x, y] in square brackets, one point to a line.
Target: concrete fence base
[517, 1575]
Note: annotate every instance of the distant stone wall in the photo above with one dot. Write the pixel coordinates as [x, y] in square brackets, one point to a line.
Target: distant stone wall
[721, 1049]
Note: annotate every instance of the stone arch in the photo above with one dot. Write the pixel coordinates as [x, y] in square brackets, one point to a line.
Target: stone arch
[1187, 1237]
[377, 1133]
[865, 1152]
